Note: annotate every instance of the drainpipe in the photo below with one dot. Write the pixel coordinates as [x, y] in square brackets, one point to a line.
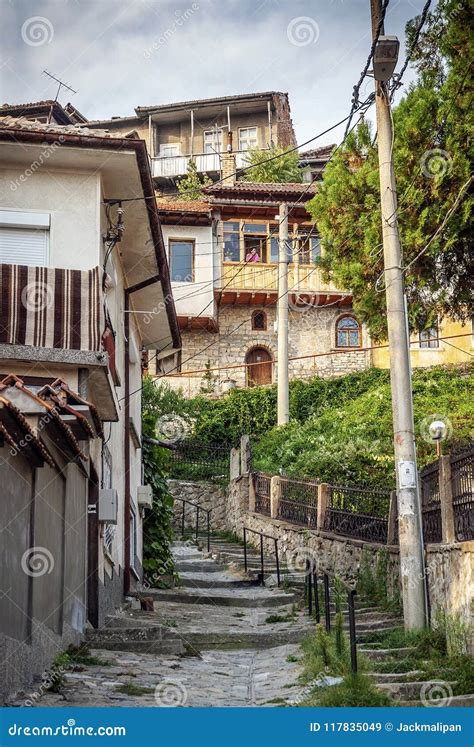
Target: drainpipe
[127, 496]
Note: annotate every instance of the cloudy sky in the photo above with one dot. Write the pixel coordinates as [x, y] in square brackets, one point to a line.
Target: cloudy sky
[122, 53]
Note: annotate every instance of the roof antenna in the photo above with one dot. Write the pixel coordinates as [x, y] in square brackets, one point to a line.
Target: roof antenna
[61, 85]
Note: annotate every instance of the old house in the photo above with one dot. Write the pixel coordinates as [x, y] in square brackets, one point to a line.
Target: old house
[85, 287]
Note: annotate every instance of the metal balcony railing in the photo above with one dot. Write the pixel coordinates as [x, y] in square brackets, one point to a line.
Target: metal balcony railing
[170, 166]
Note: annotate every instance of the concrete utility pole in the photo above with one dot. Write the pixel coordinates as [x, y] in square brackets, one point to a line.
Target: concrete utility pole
[410, 534]
[283, 412]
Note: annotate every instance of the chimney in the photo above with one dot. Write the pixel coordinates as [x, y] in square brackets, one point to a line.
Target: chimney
[228, 162]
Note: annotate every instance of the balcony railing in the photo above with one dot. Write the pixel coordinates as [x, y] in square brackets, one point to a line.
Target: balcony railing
[264, 276]
[169, 166]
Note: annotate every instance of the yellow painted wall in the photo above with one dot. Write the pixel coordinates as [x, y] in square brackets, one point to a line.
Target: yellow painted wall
[444, 354]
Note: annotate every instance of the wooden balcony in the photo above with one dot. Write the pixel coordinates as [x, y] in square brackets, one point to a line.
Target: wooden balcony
[257, 283]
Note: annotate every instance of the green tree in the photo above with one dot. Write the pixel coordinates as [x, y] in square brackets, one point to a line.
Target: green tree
[191, 186]
[284, 167]
[432, 152]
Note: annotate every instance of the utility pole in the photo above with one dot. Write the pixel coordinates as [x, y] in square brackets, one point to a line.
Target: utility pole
[410, 533]
[283, 411]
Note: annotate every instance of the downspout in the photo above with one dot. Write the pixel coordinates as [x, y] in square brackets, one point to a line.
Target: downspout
[126, 410]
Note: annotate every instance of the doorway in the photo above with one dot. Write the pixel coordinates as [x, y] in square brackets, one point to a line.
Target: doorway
[259, 367]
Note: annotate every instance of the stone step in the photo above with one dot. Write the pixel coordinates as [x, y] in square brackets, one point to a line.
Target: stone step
[154, 639]
[222, 597]
[208, 583]
[457, 701]
[379, 654]
[206, 566]
[411, 690]
[388, 677]
[251, 639]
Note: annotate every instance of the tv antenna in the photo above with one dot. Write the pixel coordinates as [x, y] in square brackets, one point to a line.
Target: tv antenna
[61, 84]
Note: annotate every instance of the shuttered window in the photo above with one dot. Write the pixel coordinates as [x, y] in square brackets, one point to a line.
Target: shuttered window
[24, 246]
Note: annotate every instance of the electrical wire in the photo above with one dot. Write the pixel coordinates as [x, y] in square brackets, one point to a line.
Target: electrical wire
[397, 79]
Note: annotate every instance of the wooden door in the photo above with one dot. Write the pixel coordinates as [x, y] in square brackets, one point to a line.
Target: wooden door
[259, 369]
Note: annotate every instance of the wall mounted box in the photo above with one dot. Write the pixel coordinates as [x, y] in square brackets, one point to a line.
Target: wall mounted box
[145, 496]
[108, 508]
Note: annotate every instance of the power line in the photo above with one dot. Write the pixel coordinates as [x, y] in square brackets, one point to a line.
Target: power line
[397, 78]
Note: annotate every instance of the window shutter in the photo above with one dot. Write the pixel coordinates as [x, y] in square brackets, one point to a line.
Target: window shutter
[23, 246]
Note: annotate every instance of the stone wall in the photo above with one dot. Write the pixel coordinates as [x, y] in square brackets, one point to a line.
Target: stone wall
[451, 580]
[205, 494]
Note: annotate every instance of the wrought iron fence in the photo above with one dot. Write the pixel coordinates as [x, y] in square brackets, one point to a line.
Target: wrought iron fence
[262, 493]
[298, 502]
[358, 512]
[196, 461]
[431, 503]
[462, 479]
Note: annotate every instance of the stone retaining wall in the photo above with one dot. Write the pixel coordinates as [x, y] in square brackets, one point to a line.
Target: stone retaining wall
[205, 494]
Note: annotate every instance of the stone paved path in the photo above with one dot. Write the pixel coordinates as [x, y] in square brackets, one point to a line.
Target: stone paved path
[209, 642]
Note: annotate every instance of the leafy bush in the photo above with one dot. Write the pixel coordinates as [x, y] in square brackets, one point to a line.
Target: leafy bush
[355, 691]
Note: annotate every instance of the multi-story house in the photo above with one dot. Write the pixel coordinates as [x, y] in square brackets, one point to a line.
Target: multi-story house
[226, 302]
[198, 131]
[85, 287]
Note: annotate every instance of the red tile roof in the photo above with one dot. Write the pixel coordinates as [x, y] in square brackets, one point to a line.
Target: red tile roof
[182, 206]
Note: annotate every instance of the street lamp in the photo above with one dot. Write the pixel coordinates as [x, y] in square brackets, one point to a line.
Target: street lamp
[437, 431]
[385, 57]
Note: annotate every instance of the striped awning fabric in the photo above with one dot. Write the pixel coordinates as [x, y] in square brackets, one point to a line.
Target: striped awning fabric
[51, 308]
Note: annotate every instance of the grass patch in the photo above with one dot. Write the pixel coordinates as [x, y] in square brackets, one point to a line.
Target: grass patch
[355, 691]
[130, 688]
[276, 701]
[292, 659]
[280, 618]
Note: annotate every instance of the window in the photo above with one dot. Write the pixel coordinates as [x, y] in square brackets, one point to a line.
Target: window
[309, 249]
[259, 320]
[347, 332]
[181, 261]
[213, 141]
[24, 238]
[247, 138]
[255, 238]
[170, 150]
[231, 241]
[429, 338]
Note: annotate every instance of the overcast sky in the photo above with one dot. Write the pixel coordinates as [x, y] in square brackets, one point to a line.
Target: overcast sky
[119, 54]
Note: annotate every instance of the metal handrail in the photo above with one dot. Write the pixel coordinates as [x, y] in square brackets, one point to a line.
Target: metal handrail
[311, 580]
[262, 568]
[207, 511]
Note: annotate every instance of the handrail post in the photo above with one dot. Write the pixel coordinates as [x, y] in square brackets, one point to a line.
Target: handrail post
[197, 522]
[182, 520]
[209, 530]
[316, 597]
[352, 629]
[277, 562]
[261, 558]
[310, 590]
[245, 550]
[392, 534]
[327, 608]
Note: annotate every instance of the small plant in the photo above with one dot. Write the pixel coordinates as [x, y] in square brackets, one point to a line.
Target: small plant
[355, 691]
[130, 688]
[279, 618]
[339, 635]
[292, 659]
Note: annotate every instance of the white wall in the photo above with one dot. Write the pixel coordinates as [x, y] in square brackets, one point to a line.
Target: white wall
[72, 200]
[192, 298]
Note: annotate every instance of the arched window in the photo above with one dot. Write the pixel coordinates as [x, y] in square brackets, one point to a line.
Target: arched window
[259, 320]
[347, 332]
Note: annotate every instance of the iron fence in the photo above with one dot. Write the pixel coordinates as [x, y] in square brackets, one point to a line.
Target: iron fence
[462, 479]
[196, 461]
[361, 513]
[431, 503]
[298, 502]
[262, 493]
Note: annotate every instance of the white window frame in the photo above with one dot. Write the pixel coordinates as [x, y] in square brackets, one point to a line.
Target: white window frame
[212, 141]
[246, 129]
[164, 146]
[18, 220]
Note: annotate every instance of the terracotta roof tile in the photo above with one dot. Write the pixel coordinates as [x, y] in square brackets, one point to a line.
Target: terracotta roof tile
[268, 188]
[28, 125]
[187, 206]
